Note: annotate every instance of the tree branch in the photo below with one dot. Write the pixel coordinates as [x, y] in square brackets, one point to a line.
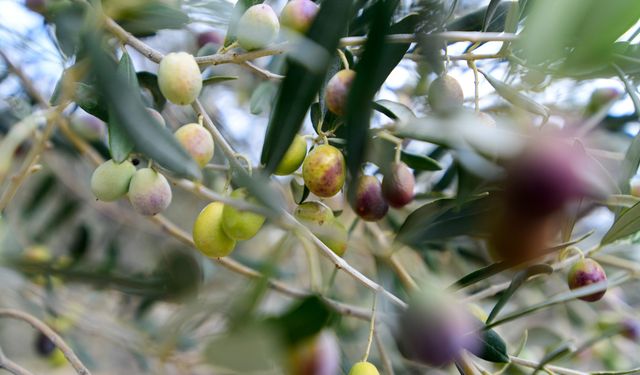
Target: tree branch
[51, 334]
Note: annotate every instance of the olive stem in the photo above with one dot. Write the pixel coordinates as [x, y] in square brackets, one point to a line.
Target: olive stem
[476, 83]
[51, 335]
[343, 58]
[384, 357]
[332, 279]
[372, 327]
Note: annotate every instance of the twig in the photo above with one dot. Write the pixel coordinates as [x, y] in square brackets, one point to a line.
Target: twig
[51, 334]
[555, 369]
[11, 366]
[264, 73]
[384, 357]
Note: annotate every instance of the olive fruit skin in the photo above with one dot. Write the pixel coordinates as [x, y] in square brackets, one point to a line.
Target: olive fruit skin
[43, 345]
[258, 27]
[445, 94]
[369, 203]
[320, 220]
[318, 355]
[293, 158]
[630, 328]
[197, 141]
[149, 192]
[298, 15]
[434, 334]
[337, 91]
[110, 181]
[208, 235]
[398, 185]
[179, 78]
[157, 117]
[88, 127]
[600, 97]
[209, 37]
[634, 186]
[364, 368]
[324, 171]
[237, 224]
[585, 272]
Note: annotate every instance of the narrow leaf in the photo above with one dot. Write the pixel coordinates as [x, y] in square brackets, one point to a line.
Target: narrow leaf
[420, 162]
[493, 348]
[119, 143]
[517, 281]
[625, 225]
[516, 98]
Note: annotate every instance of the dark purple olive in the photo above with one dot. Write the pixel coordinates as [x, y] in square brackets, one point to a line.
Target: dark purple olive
[435, 333]
[631, 329]
[369, 203]
[398, 184]
[44, 346]
[586, 272]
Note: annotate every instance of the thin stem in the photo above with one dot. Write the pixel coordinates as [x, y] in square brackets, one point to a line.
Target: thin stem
[384, 357]
[372, 327]
[555, 369]
[51, 335]
[343, 58]
[12, 367]
[476, 83]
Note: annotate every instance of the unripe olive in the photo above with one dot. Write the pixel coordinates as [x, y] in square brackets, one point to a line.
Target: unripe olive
[337, 91]
[435, 333]
[445, 94]
[324, 171]
[197, 141]
[585, 272]
[179, 78]
[88, 127]
[110, 181]
[208, 235]
[369, 203]
[149, 192]
[37, 254]
[57, 358]
[398, 184]
[364, 368]
[320, 220]
[298, 15]
[600, 97]
[157, 117]
[240, 225]
[209, 37]
[318, 355]
[258, 27]
[293, 158]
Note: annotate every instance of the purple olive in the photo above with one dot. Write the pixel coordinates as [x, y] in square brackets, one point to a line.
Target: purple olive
[337, 91]
[298, 15]
[586, 272]
[398, 185]
[369, 203]
[319, 355]
[209, 37]
[435, 333]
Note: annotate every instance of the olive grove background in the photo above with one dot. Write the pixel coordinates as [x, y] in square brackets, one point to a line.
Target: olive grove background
[131, 294]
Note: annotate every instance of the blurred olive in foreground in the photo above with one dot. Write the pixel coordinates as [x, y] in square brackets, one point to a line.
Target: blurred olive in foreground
[318, 355]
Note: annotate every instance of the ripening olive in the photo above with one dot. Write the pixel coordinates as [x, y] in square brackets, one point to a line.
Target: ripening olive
[324, 171]
[197, 141]
[293, 158]
[149, 192]
[398, 185]
[298, 15]
[585, 272]
[337, 91]
[110, 181]
[88, 127]
[237, 224]
[445, 95]
[318, 355]
[179, 78]
[258, 27]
